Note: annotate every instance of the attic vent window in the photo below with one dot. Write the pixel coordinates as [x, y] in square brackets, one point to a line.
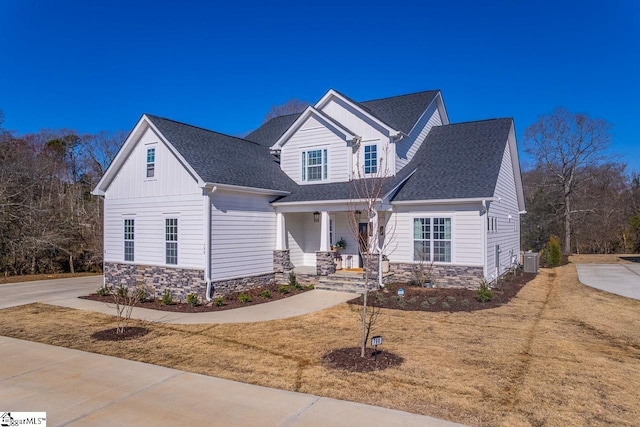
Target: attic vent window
[151, 162]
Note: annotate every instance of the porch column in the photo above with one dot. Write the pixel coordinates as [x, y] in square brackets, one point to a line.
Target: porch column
[324, 232]
[281, 232]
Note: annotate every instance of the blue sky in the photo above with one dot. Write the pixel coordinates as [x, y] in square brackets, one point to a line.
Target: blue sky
[95, 66]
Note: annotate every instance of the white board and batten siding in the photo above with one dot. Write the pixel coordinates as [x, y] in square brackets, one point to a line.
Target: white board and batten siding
[466, 232]
[171, 193]
[243, 234]
[314, 135]
[505, 210]
[406, 148]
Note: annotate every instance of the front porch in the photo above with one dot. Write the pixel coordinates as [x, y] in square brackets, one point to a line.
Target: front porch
[351, 280]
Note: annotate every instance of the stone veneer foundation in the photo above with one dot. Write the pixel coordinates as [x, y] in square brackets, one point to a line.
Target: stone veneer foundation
[281, 261]
[179, 281]
[452, 276]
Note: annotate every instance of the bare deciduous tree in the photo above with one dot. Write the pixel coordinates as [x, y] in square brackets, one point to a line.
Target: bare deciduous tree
[292, 106]
[369, 225]
[566, 144]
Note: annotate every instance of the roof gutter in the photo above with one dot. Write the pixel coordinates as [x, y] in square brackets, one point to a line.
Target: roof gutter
[318, 202]
[243, 189]
[482, 200]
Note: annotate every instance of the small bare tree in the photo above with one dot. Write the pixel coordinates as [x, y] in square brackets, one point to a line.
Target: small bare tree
[124, 301]
[367, 206]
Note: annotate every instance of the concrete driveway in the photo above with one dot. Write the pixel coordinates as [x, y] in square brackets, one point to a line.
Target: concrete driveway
[47, 291]
[620, 279]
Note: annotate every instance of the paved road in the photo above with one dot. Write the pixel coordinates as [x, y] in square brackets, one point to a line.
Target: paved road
[620, 279]
[76, 388]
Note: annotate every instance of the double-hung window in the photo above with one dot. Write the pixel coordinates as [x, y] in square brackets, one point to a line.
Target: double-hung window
[129, 232]
[314, 165]
[370, 159]
[432, 239]
[151, 162]
[171, 240]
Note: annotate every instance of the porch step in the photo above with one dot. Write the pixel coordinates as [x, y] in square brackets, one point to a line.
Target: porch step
[340, 285]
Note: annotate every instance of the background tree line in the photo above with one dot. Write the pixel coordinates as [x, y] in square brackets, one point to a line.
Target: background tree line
[49, 221]
[576, 190]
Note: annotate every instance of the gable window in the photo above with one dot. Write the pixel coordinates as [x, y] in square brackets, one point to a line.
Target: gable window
[171, 240]
[151, 162]
[432, 239]
[370, 159]
[129, 229]
[314, 165]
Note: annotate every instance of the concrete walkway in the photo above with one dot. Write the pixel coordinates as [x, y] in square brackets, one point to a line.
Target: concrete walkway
[620, 279]
[76, 388]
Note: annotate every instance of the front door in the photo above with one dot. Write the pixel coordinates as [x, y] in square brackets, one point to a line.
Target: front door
[363, 240]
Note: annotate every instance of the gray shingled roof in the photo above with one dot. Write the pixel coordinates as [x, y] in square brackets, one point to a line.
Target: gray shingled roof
[272, 130]
[224, 159]
[401, 112]
[457, 161]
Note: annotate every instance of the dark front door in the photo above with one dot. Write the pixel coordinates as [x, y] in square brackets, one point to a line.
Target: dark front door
[363, 240]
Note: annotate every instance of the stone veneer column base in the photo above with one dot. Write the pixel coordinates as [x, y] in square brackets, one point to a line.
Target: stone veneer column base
[325, 264]
[443, 276]
[179, 281]
[370, 266]
[281, 261]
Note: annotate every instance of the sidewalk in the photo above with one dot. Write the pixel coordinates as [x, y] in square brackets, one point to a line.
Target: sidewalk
[85, 389]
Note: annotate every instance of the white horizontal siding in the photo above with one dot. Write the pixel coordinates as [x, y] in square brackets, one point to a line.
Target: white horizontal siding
[243, 235]
[149, 215]
[313, 135]
[406, 148]
[171, 177]
[466, 232]
[505, 203]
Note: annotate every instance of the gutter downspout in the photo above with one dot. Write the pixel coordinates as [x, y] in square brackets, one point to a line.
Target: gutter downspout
[485, 267]
[207, 242]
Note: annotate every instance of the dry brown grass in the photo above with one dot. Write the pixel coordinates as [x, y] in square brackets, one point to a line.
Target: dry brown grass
[602, 258]
[559, 354]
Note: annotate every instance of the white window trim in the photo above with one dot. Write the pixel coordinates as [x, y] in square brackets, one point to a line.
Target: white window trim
[177, 241]
[324, 164]
[364, 166]
[153, 147]
[448, 215]
[125, 240]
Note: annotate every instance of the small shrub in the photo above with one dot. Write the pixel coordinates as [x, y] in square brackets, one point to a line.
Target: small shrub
[425, 304]
[308, 287]
[380, 298]
[450, 299]
[464, 303]
[432, 300]
[244, 298]
[293, 282]
[103, 291]
[167, 298]
[283, 289]
[484, 293]
[554, 256]
[396, 298]
[445, 304]
[142, 293]
[122, 291]
[413, 300]
[218, 301]
[192, 299]
[266, 293]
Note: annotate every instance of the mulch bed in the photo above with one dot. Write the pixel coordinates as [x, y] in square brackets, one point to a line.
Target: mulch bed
[230, 301]
[444, 299]
[112, 334]
[349, 359]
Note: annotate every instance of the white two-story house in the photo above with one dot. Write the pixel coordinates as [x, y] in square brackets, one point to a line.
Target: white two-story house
[192, 210]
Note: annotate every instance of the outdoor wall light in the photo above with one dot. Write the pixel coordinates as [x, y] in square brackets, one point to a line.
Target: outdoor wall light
[316, 216]
[358, 214]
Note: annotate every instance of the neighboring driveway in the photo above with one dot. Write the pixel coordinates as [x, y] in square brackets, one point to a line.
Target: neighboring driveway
[620, 279]
[47, 291]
